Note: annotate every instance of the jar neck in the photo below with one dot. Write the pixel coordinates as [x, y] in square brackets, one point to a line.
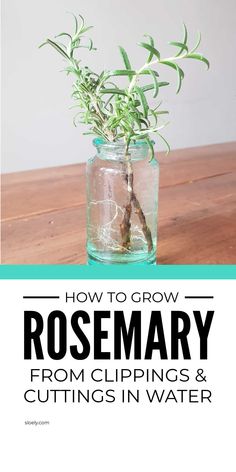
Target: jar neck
[117, 150]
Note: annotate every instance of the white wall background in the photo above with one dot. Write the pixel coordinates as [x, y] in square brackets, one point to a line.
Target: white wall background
[37, 122]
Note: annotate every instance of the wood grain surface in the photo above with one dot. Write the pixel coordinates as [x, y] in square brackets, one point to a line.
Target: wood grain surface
[43, 211]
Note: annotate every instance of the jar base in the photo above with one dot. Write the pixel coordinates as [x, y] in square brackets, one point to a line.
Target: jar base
[133, 259]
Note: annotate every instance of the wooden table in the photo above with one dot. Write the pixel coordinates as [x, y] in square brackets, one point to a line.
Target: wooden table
[43, 211]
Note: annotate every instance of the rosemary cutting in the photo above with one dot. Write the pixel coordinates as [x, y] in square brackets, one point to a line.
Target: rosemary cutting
[125, 113]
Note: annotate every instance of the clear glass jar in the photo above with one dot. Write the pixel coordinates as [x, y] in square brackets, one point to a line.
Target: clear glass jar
[122, 199]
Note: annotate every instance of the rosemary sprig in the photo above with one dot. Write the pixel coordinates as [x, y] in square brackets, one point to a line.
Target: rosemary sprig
[109, 110]
[123, 113]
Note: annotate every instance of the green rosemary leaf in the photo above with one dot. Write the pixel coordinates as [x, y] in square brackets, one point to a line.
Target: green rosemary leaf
[185, 34]
[144, 122]
[163, 84]
[179, 71]
[182, 47]
[63, 34]
[146, 88]
[197, 43]
[120, 72]
[155, 83]
[84, 30]
[151, 148]
[151, 40]
[57, 47]
[162, 112]
[113, 91]
[76, 22]
[82, 23]
[199, 57]
[165, 141]
[147, 72]
[42, 44]
[143, 100]
[88, 46]
[125, 58]
[184, 42]
[152, 50]
[154, 115]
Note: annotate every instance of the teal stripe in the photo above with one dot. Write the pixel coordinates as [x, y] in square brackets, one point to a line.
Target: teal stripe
[118, 272]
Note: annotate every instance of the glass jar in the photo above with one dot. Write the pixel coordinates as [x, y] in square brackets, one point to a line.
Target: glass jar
[122, 199]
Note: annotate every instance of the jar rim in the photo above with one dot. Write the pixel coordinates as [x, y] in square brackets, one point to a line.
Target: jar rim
[108, 145]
